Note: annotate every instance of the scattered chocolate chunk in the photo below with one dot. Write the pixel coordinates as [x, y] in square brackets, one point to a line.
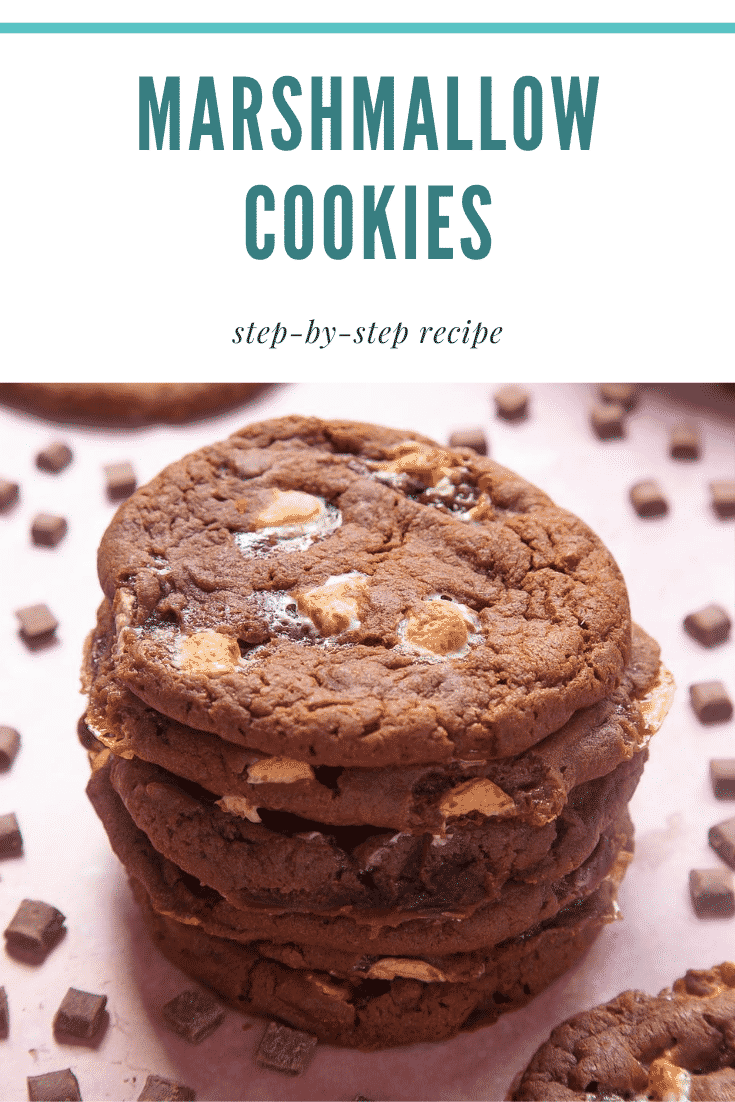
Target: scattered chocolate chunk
[684, 442]
[54, 1086]
[158, 1089]
[4, 1015]
[608, 421]
[120, 479]
[11, 841]
[722, 840]
[35, 926]
[723, 497]
[285, 1049]
[710, 702]
[621, 394]
[469, 438]
[37, 624]
[81, 1015]
[712, 892]
[48, 530]
[511, 402]
[9, 746]
[709, 625]
[722, 775]
[648, 500]
[193, 1015]
[54, 458]
[9, 493]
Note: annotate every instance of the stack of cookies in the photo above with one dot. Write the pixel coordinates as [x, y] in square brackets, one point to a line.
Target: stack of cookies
[366, 714]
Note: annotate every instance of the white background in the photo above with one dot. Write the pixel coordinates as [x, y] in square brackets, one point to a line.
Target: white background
[120, 263]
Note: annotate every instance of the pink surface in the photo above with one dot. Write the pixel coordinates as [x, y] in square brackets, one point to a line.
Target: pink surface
[672, 565]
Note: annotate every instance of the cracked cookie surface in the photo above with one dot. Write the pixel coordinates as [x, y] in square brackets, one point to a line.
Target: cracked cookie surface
[381, 600]
[413, 798]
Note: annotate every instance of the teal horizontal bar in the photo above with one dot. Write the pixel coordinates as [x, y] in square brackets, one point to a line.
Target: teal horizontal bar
[367, 28]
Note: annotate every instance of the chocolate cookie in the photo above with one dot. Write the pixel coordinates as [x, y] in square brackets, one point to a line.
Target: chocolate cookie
[679, 1044]
[340, 594]
[288, 862]
[384, 1002]
[414, 798]
[396, 932]
[126, 403]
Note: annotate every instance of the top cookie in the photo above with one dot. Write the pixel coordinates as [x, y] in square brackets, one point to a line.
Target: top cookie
[347, 594]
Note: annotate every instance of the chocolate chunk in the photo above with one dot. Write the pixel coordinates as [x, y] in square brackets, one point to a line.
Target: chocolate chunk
[709, 625]
[9, 492]
[722, 840]
[4, 1016]
[35, 926]
[648, 500]
[285, 1049]
[722, 775]
[723, 497]
[469, 438]
[54, 458]
[37, 624]
[511, 402]
[158, 1089]
[193, 1015]
[120, 479]
[621, 394]
[48, 530]
[11, 842]
[684, 442]
[81, 1015]
[710, 701]
[9, 746]
[608, 421]
[54, 1086]
[712, 892]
